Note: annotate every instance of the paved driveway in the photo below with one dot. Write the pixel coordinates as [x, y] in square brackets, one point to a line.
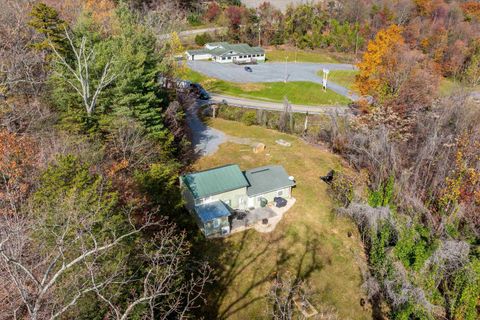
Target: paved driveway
[273, 72]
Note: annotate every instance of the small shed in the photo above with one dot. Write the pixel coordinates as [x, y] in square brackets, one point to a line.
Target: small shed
[213, 218]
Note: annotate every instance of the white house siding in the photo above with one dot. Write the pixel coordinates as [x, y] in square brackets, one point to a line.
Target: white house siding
[284, 193]
[240, 58]
[196, 57]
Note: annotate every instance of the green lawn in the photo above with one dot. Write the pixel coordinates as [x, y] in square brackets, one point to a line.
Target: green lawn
[345, 78]
[299, 56]
[305, 93]
[318, 56]
[310, 243]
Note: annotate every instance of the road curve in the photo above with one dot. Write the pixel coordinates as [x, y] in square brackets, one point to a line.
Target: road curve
[194, 32]
[276, 106]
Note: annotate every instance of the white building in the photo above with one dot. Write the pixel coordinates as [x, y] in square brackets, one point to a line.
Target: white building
[223, 52]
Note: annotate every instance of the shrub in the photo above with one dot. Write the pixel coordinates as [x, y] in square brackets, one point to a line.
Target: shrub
[342, 189]
[202, 39]
[249, 118]
[194, 19]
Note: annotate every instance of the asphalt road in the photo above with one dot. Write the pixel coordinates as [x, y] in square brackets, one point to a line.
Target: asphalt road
[273, 72]
[194, 32]
[280, 4]
[276, 106]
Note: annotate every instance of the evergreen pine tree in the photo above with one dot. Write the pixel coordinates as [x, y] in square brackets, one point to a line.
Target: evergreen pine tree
[46, 21]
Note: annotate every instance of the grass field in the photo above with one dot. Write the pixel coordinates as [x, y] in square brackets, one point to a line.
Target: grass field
[298, 55]
[305, 93]
[345, 78]
[310, 243]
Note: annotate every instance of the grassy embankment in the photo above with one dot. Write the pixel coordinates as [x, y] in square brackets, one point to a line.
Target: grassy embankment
[310, 242]
[317, 56]
[304, 93]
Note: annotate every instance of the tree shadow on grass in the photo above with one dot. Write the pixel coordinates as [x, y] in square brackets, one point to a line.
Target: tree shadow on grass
[231, 261]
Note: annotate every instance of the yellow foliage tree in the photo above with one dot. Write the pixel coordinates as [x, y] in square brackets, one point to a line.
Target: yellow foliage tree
[373, 62]
[176, 49]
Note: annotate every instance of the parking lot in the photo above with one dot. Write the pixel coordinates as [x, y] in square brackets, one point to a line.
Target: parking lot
[272, 72]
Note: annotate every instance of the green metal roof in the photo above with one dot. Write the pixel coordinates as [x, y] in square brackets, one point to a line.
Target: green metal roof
[224, 49]
[267, 179]
[199, 51]
[215, 181]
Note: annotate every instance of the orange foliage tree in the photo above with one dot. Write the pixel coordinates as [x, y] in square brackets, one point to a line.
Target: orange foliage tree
[372, 65]
[471, 9]
[102, 11]
[17, 156]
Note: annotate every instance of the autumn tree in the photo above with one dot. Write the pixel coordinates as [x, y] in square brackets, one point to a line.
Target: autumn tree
[17, 161]
[212, 12]
[102, 12]
[235, 17]
[371, 66]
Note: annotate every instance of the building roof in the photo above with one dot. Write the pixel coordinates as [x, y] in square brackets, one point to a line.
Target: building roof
[227, 49]
[213, 210]
[267, 179]
[215, 181]
[199, 51]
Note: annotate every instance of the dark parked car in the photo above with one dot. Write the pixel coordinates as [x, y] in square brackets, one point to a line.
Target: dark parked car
[199, 91]
[280, 202]
[248, 69]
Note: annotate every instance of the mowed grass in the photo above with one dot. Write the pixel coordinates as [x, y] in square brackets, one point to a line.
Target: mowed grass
[297, 92]
[300, 56]
[345, 78]
[310, 243]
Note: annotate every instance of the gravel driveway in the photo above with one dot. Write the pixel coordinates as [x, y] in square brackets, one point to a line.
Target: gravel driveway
[205, 140]
[273, 72]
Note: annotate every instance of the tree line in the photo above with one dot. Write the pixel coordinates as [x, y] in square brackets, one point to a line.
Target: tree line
[445, 31]
[91, 146]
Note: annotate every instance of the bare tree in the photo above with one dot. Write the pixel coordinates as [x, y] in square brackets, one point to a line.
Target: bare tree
[285, 121]
[47, 276]
[281, 296]
[84, 83]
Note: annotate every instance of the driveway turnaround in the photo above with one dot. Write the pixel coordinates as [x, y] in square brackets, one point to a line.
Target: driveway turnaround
[273, 72]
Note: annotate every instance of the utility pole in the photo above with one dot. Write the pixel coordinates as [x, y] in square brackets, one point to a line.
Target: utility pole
[259, 35]
[305, 126]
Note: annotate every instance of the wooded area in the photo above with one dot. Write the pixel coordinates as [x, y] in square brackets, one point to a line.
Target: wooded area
[92, 224]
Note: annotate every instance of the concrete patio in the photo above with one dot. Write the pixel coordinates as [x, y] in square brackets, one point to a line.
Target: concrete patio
[254, 218]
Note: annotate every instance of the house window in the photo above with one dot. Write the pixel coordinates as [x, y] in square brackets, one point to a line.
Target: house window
[223, 58]
[216, 223]
[229, 58]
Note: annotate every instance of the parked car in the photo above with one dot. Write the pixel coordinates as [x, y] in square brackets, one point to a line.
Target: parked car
[280, 202]
[248, 69]
[199, 91]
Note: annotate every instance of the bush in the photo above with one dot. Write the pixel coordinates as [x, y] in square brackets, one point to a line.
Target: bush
[342, 189]
[194, 19]
[202, 39]
[249, 118]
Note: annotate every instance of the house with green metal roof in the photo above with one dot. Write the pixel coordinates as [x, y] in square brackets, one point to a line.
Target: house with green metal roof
[224, 52]
[213, 195]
